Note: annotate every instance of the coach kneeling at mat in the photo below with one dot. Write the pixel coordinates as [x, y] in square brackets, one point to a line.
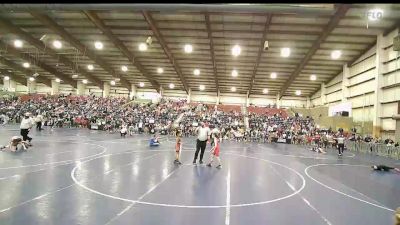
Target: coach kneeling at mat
[203, 134]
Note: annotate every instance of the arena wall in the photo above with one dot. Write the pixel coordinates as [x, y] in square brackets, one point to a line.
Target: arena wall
[372, 85]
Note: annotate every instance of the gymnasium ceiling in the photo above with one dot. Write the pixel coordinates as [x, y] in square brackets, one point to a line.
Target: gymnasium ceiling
[311, 32]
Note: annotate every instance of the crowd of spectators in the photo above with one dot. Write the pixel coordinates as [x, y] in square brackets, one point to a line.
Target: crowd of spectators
[229, 123]
[109, 114]
[114, 114]
[271, 128]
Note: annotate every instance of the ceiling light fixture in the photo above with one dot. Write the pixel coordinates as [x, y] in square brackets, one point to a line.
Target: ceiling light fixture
[98, 45]
[112, 82]
[236, 50]
[26, 65]
[234, 73]
[285, 52]
[336, 54]
[202, 87]
[298, 92]
[31, 79]
[75, 76]
[18, 43]
[6, 78]
[274, 75]
[160, 70]
[171, 86]
[124, 68]
[90, 67]
[265, 91]
[141, 84]
[58, 80]
[84, 81]
[188, 48]
[313, 77]
[196, 72]
[142, 47]
[233, 89]
[57, 44]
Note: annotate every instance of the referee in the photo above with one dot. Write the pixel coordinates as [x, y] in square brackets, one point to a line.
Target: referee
[203, 134]
[26, 124]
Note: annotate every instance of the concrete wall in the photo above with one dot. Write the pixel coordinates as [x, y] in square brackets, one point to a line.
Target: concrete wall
[336, 122]
[315, 112]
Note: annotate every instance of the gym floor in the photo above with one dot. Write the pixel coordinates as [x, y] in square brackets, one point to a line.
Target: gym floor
[78, 176]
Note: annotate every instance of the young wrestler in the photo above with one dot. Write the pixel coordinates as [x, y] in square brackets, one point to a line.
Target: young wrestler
[14, 143]
[178, 147]
[385, 168]
[154, 141]
[215, 152]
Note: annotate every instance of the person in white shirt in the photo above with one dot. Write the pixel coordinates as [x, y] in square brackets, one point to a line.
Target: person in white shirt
[123, 131]
[140, 127]
[340, 142]
[39, 121]
[26, 125]
[203, 134]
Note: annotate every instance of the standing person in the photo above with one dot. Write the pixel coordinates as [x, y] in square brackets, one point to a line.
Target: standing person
[131, 129]
[340, 142]
[213, 134]
[215, 152]
[39, 121]
[140, 127]
[203, 134]
[178, 147]
[26, 125]
[123, 131]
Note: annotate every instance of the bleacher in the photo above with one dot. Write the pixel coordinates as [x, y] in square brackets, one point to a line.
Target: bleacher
[31, 97]
[221, 107]
[267, 111]
[229, 108]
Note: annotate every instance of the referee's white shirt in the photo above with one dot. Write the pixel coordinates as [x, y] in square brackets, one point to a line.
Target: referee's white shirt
[26, 123]
[203, 133]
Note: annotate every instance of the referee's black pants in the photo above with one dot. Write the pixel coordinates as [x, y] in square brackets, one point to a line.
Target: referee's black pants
[200, 145]
[340, 148]
[24, 134]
